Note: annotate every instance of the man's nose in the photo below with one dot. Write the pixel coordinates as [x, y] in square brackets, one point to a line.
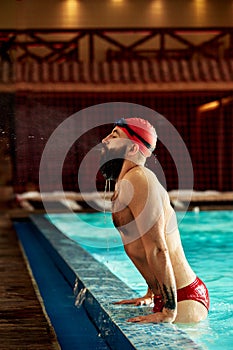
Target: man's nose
[106, 139]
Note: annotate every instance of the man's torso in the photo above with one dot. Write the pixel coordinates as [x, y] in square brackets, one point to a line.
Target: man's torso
[161, 211]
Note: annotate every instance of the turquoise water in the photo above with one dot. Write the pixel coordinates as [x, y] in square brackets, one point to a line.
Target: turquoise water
[208, 244]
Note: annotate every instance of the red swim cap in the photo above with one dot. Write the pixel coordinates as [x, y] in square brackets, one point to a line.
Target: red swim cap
[141, 132]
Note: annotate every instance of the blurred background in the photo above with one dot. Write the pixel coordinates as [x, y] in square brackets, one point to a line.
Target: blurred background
[60, 56]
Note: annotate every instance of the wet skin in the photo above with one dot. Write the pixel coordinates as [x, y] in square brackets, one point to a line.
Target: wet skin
[142, 213]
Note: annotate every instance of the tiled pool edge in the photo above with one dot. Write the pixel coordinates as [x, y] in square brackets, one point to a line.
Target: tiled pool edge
[102, 288]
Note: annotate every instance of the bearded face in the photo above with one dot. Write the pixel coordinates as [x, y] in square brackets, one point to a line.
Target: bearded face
[112, 161]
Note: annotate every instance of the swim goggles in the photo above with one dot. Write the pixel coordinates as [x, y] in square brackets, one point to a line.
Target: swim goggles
[123, 124]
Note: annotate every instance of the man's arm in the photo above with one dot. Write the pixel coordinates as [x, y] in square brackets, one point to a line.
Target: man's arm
[159, 262]
[147, 299]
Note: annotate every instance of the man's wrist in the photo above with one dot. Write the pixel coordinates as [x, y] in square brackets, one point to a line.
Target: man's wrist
[170, 314]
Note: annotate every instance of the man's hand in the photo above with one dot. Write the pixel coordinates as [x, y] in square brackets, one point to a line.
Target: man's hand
[158, 317]
[146, 300]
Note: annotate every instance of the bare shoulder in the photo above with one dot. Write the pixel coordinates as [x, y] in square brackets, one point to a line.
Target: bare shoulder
[138, 185]
[143, 179]
[144, 187]
[138, 179]
[140, 175]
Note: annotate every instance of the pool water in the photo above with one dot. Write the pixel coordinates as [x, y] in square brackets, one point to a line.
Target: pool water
[208, 244]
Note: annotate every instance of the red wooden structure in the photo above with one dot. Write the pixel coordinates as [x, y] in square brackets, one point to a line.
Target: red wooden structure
[64, 44]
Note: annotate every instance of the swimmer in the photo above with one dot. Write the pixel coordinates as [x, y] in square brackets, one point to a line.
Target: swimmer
[142, 213]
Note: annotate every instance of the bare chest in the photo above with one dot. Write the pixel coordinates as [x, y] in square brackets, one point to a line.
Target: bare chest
[121, 214]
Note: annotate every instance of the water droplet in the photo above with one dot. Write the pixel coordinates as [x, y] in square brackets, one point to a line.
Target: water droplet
[75, 290]
[80, 297]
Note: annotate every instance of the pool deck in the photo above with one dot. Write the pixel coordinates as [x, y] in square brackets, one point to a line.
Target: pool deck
[180, 199]
[23, 321]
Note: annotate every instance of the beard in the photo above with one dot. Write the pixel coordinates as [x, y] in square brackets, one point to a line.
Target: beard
[112, 161]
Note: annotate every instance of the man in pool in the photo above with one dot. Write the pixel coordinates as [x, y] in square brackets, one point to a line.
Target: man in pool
[147, 223]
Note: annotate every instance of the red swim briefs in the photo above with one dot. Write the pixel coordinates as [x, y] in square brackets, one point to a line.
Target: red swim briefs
[195, 291]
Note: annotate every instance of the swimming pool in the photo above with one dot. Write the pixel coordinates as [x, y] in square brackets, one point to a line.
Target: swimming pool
[207, 241]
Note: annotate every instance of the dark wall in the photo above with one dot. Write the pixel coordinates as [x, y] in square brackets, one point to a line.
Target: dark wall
[37, 115]
[7, 137]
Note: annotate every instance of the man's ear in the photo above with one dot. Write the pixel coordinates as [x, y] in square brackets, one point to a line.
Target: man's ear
[133, 149]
